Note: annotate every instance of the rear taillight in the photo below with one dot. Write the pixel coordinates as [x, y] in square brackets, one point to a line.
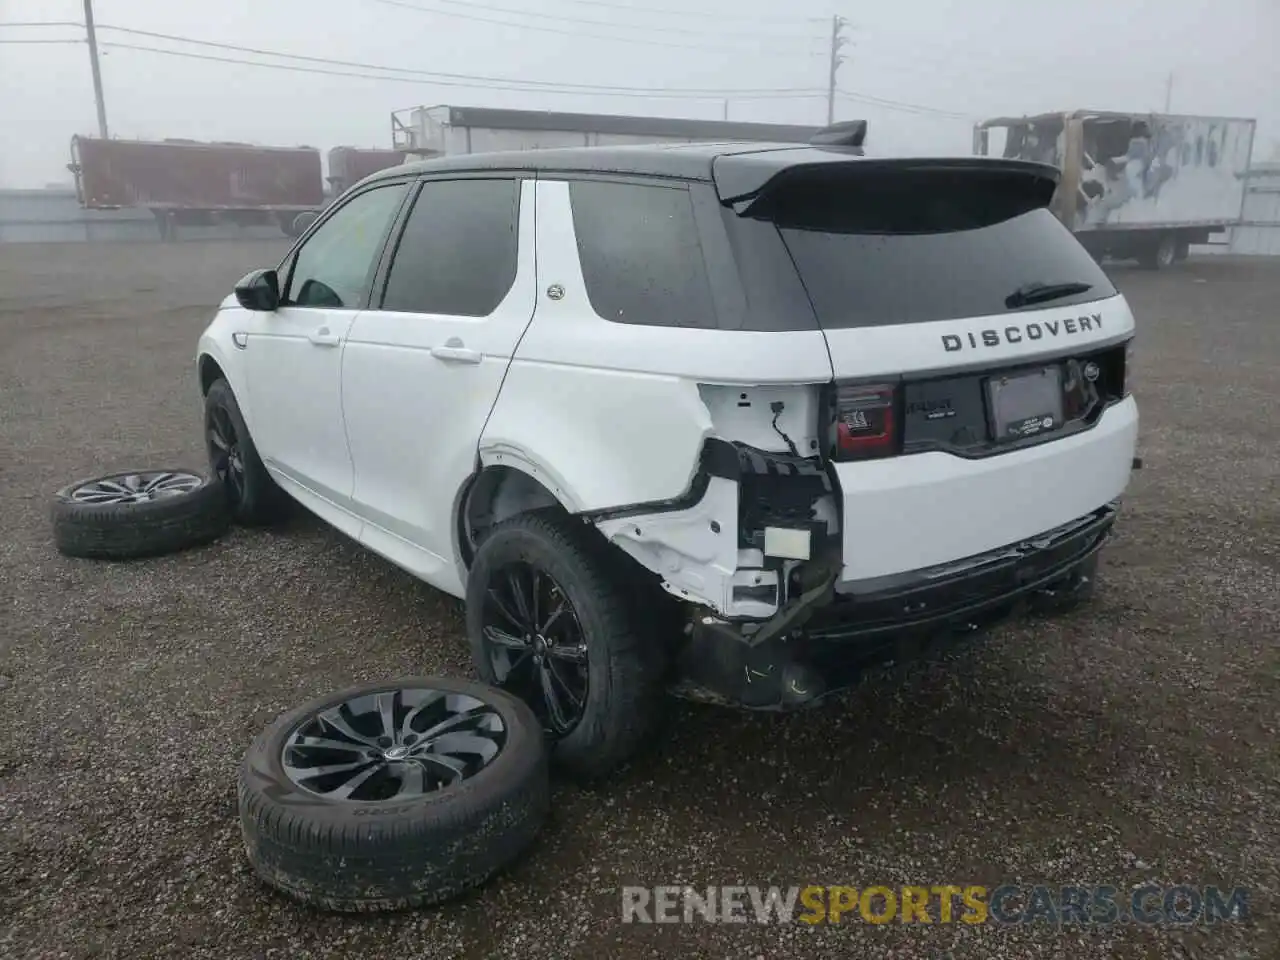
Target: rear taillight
[866, 421]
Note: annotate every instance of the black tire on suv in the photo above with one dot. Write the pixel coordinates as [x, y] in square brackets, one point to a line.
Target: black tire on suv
[254, 498]
[552, 618]
[393, 795]
[138, 513]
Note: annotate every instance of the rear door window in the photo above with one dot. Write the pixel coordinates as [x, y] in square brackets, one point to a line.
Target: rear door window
[879, 250]
[641, 257]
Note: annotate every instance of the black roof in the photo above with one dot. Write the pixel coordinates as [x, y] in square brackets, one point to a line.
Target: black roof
[737, 169]
[685, 161]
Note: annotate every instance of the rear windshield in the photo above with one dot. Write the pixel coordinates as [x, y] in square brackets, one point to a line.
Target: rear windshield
[895, 249]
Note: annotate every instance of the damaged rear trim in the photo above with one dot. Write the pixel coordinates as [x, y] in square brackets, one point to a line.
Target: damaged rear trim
[744, 539]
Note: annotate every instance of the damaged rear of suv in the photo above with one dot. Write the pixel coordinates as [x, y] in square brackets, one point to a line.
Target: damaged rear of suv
[833, 404]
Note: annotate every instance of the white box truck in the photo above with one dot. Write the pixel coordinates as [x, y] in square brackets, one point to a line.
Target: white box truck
[1134, 185]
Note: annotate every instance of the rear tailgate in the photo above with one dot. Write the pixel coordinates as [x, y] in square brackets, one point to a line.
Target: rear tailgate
[979, 354]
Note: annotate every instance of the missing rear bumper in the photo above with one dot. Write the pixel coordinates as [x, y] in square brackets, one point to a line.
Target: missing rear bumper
[825, 639]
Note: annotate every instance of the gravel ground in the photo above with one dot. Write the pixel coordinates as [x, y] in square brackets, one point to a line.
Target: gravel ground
[1135, 741]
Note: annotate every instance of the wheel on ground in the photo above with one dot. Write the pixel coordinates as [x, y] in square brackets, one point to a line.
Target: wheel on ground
[138, 513]
[393, 795]
[1161, 253]
[1182, 250]
[252, 495]
[551, 619]
[1071, 593]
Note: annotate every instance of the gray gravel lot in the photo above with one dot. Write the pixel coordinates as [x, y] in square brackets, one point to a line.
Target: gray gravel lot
[1135, 741]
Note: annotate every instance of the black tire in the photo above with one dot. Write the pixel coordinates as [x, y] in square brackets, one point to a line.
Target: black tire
[1073, 592]
[363, 856]
[104, 530]
[254, 498]
[621, 709]
[1160, 253]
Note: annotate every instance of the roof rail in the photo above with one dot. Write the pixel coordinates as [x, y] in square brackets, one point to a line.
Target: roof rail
[847, 133]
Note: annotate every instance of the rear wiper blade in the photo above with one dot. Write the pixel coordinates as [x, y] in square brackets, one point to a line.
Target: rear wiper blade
[1044, 292]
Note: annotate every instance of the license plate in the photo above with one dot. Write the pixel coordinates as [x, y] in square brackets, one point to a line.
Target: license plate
[1025, 404]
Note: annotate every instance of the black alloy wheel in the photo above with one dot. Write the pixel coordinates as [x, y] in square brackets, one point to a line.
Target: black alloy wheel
[138, 513]
[393, 744]
[393, 794]
[535, 644]
[225, 453]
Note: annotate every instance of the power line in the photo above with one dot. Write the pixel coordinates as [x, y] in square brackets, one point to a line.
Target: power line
[577, 33]
[42, 23]
[902, 106]
[41, 41]
[434, 75]
[656, 94]
[667, 11]
[623, 26]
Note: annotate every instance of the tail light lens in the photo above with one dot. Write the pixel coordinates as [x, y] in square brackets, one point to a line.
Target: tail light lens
[867, 421]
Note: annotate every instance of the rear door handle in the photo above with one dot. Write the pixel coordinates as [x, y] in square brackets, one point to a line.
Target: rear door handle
[454, 350]
[323, 338]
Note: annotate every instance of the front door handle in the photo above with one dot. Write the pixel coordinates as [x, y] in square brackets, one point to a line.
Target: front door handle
[456, 351]
[323, 338]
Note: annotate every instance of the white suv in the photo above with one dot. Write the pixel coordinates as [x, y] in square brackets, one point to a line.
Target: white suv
[732, 418]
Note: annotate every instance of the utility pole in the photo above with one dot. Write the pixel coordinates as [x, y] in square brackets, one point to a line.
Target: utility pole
[726, 108]
[97, 71]
[1168, 93]
[837, 41]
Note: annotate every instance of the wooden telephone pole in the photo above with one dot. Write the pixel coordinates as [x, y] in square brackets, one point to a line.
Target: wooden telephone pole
[97, 71]
[837, 41]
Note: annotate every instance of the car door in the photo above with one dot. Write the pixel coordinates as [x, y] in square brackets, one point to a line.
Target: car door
[293, 354]
[423, 366]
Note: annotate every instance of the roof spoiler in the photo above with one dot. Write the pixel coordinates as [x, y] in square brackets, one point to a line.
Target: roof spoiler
[847, 133]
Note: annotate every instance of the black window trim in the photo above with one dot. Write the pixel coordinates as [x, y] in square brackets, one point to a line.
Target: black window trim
[291, 258]
[401, 220]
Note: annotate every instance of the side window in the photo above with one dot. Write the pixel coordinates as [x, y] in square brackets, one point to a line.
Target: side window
[641, 258]
[457, 255]
[335, 266]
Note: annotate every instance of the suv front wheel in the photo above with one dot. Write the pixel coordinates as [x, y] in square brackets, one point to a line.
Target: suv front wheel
[551, 619]
[254, 498]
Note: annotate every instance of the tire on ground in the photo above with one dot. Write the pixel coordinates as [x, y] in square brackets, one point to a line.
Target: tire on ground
[261, 501]
[146, 528]
[622, 709]
[366, 856]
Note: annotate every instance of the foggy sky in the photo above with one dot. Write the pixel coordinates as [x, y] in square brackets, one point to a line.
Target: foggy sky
[980, 58]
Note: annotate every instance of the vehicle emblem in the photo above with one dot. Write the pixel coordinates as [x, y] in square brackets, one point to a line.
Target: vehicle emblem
[555, 292]
[1091, 371]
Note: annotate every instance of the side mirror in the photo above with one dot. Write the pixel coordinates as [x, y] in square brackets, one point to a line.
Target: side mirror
[259, 290]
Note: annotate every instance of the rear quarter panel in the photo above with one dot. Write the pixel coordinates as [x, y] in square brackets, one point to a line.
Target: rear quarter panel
[609, 414]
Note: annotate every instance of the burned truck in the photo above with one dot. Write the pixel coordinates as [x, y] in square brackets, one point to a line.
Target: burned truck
[188, 182]
[1134, 186]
